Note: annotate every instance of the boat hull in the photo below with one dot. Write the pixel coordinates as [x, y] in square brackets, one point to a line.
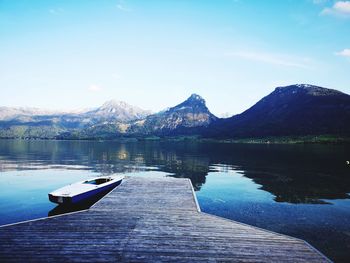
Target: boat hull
[83, 197]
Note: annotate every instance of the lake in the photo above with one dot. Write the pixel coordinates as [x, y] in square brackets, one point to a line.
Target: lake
[298, 190]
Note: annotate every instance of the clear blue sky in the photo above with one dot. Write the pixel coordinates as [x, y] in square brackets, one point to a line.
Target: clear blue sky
[154, 54]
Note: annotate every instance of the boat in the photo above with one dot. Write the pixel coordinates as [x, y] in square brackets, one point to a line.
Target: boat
[82, 191]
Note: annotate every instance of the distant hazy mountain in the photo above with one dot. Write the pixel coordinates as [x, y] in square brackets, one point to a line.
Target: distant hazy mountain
[292, 110]
[295, 110]
[191, 113]
[8, 113]
[116, 111]
[32, 122]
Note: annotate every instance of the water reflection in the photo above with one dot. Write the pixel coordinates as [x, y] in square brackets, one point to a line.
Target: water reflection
[292, 173]
[62, 209]
[254, 184]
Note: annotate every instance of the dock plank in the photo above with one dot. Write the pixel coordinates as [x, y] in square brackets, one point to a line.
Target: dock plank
[148, 220]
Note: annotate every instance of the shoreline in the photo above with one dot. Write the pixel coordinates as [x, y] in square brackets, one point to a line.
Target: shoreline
[310, 139]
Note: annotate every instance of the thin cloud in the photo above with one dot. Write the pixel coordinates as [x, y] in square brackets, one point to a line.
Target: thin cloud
[339, 8]
[56, 11]
[274, 59]
[344, 53]
[122, 6]
[94, 88]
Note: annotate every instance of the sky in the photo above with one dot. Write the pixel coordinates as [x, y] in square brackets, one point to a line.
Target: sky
[154, 54]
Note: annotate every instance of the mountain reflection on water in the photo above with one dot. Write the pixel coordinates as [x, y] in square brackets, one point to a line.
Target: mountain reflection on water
[292, 173]
[298, 190]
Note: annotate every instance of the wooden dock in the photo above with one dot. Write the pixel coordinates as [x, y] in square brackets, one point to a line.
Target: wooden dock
[148, 220]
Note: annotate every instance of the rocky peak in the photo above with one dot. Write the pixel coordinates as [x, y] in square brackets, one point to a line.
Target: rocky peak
[194, 102]
[190, 113]
[119, 111]
[195, 99]
[114, 104]
[306, 89]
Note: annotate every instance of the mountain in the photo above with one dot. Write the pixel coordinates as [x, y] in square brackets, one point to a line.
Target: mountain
[114, 110]
[110, 111]
[8, 113]
[294, 110]
[184, 118]
[35, 123]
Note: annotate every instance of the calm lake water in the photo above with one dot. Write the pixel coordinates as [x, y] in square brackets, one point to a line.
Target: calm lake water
[298, 190]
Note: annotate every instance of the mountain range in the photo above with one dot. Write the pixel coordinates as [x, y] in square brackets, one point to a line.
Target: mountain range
[295, 110]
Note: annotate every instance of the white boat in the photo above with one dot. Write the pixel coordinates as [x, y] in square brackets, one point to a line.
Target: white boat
[84, 190]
